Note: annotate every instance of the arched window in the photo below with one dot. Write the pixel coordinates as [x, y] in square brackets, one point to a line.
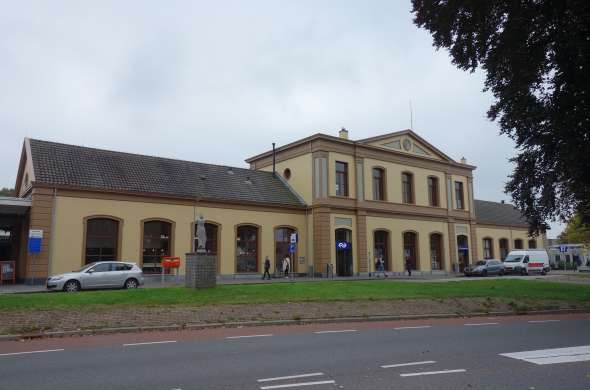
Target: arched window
[211, 230]
[102, 239]
[282, 244]
[157, 243]
[504, 249]
[436, 252]
[488, 248]
[407, 187]
[381, 248]
[410, 249]
[518, 243]
[247, 248]
[378, 184]
[532, 244]
[433, 191]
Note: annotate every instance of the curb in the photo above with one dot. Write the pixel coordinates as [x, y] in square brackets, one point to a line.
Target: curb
[303, 321]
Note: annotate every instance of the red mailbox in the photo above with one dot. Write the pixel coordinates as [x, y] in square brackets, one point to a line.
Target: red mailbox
[170, 262]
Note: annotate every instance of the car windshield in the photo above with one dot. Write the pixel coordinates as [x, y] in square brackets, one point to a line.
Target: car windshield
[513, 259]
[481, 262]
[86, 267]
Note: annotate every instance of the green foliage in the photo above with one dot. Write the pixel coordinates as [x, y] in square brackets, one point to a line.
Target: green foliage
[7, 191]
[536, 56]
[576, 232]
[299, 292]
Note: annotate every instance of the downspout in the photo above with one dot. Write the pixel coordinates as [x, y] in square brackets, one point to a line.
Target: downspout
[273, 160]
[52, 239]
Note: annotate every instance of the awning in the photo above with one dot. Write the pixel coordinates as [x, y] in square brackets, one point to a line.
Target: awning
[14, 206]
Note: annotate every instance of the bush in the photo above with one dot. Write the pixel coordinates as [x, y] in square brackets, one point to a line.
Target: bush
[568, 266]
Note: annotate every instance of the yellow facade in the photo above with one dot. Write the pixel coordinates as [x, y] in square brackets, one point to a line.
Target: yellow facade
[69, 226]
[511, 234]
[301, 173]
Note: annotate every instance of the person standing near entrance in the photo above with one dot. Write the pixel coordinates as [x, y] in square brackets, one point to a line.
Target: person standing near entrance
[381, 266]
[266, 268]
[286, 264]
[409, 266]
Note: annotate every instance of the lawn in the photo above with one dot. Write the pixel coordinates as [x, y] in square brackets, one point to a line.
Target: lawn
[300, 292]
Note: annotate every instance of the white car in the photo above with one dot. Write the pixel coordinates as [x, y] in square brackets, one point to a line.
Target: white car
[525, 261]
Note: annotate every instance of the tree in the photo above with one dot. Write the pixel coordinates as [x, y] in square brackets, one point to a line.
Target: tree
[575, 232]
[7, 191]
[536, 57]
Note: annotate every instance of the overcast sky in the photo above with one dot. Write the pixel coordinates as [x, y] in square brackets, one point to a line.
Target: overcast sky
[218, 81]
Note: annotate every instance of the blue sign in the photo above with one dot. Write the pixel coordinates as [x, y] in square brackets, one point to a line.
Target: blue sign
[563, 248]
[292, 248]
[343, 245]
[35, 244]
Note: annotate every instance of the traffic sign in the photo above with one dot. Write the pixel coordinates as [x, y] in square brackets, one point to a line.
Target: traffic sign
[292, 248]
[563, 248]
[293, 238]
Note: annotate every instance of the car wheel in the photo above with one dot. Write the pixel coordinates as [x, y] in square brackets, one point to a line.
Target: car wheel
[130, 283]
[523, 272]
[543, 272]
[484, 273]
[501, 272]
[72, 286]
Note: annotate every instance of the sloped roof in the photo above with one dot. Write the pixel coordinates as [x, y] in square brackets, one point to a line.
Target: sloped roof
[89, 168]
[498, 214]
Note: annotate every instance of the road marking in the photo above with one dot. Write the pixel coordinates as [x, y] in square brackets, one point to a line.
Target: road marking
[249, 336]
[482, 323]
[432, 372]
[150, 343]
[541, 321]
[280, 378]
[297, 385]
[413, 327]
[30, 352]
[408, 364]
[335, 331]
[553, 356]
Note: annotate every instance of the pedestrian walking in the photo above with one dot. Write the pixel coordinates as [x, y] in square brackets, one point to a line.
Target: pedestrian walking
[266, 268]
[409, 266]
[381, 268]
[286, 265]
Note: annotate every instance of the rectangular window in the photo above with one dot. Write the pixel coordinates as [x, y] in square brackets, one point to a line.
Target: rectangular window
[378, 184]
[407, 188]
[459, 201]
[341, 178]
[433, 191]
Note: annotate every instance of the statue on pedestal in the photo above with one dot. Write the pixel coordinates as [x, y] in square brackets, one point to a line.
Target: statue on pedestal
[201, 235]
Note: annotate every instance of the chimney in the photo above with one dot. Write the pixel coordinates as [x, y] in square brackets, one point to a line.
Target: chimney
[463, 160]
[343, 133]
[274, 160]
[502, 201]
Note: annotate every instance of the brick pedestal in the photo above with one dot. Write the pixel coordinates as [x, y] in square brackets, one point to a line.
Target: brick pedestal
[201, 270]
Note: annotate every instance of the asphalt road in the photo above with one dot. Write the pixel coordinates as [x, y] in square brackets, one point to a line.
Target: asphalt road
[436, 354]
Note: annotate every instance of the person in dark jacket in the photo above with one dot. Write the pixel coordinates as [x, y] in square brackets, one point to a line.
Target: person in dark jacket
[266, 268]
[409, 266]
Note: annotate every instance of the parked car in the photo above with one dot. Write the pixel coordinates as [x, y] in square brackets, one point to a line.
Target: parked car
[525, 261]
[102, 274]
[485, 268]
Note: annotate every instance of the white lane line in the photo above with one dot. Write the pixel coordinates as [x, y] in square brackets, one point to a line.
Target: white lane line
[432, 372]
[413, 327]
[541, 321]
[297, 385]
[249, 336]
[281, 378]
[482, 323]
[335, 331]
[30, 352]
[150, 343]
[553, 356]
[408, 364]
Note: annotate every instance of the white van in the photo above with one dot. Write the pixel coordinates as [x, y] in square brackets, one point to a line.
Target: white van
[525, 261]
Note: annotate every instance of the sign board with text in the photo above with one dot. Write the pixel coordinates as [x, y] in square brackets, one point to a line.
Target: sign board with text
[35, 240]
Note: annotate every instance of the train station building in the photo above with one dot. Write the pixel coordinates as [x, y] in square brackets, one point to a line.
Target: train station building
[393, 196]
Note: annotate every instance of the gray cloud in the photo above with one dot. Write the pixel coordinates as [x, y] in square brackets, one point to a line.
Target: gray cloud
[218, 82]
